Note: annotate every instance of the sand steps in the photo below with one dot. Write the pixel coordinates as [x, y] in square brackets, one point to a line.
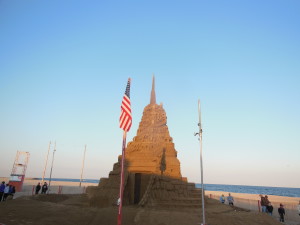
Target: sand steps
[179, 205]
[182, 203]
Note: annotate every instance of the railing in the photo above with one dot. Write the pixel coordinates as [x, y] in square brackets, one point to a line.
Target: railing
[29, 190]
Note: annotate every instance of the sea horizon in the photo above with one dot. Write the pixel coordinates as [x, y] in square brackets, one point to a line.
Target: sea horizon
[246, 189]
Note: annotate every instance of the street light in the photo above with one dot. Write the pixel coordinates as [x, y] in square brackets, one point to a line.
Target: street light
[201, 164]
[54, 150]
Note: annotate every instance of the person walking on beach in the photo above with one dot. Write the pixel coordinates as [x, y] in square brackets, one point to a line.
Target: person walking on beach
[222, 199]
[44, 188]
[270, 208]
[6, 192]
[281, 212]
[37, 188]
[2, 186]
[299, 208]
[230, 199]
[264, 201]
[267, 200]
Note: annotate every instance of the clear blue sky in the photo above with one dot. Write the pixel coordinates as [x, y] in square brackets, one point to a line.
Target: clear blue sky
[64, 67]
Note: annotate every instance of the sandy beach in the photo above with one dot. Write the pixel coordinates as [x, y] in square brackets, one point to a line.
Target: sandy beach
[74, 209]
[31, 181]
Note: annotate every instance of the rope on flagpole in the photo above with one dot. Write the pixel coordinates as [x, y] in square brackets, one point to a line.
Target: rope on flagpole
[122, 180]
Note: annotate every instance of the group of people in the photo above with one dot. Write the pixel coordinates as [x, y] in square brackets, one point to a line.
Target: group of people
[230, 199]
[266, 207]
[6, 190]
[39, 187]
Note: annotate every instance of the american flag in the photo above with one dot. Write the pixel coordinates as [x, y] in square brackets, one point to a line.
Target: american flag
[125, 117]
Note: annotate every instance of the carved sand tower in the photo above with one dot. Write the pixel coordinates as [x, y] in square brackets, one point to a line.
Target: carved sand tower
[152, 170]
[153, 146]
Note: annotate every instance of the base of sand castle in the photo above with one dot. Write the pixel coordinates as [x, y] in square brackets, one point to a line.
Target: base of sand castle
[146, 190]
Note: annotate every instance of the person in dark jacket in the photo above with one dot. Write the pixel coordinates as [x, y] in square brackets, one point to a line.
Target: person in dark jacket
[281, 212]
[44, 188]
[270, 208]
[2, 186]
[37, 188]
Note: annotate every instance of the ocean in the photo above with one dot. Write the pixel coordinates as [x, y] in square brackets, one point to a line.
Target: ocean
[280, 191]
[70, 180]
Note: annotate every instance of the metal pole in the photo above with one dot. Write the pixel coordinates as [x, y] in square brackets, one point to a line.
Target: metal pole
[82, 166]
[51, 167]
[201, 163]
[122, 180]
[46, 163]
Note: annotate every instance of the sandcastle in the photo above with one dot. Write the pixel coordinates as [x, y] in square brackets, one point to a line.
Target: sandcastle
[152, 169]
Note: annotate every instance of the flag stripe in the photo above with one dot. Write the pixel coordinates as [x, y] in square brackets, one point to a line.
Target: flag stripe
[125, 117]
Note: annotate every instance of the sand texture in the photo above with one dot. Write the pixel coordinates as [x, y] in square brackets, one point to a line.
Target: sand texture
[74, 209]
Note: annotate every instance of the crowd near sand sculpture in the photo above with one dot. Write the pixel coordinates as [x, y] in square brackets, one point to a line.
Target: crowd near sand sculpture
[152, 169]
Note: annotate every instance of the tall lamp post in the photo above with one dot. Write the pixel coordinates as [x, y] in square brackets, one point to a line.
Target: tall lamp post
[82, 166]
[201, 163]
[46, 162]
[54, 150]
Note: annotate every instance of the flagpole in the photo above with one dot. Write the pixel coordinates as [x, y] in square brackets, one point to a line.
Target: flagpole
[54, 150]
[122, 179]
[201, 163]
[82, 166]
[125, 124]
[46, 162]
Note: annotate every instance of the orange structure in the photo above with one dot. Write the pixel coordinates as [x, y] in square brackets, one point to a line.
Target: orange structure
[17, 175]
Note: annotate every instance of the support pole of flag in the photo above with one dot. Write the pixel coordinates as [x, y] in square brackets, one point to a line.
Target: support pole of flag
[201, 163]
[122, 179]
[125, 124]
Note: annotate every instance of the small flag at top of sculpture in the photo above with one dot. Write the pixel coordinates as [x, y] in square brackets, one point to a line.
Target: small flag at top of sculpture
[125, 117]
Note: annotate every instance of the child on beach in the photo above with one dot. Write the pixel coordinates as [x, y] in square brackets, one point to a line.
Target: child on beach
[222, 199]
[270, 208]
[281, 212]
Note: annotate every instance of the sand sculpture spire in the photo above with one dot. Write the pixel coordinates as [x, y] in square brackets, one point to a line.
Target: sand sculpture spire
[153, 96]
[152, 143]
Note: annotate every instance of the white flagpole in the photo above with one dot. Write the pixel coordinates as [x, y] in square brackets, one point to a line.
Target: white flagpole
[82, 166]
[125, 127]
[46, 162]
[201, 163]
[54, 150]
